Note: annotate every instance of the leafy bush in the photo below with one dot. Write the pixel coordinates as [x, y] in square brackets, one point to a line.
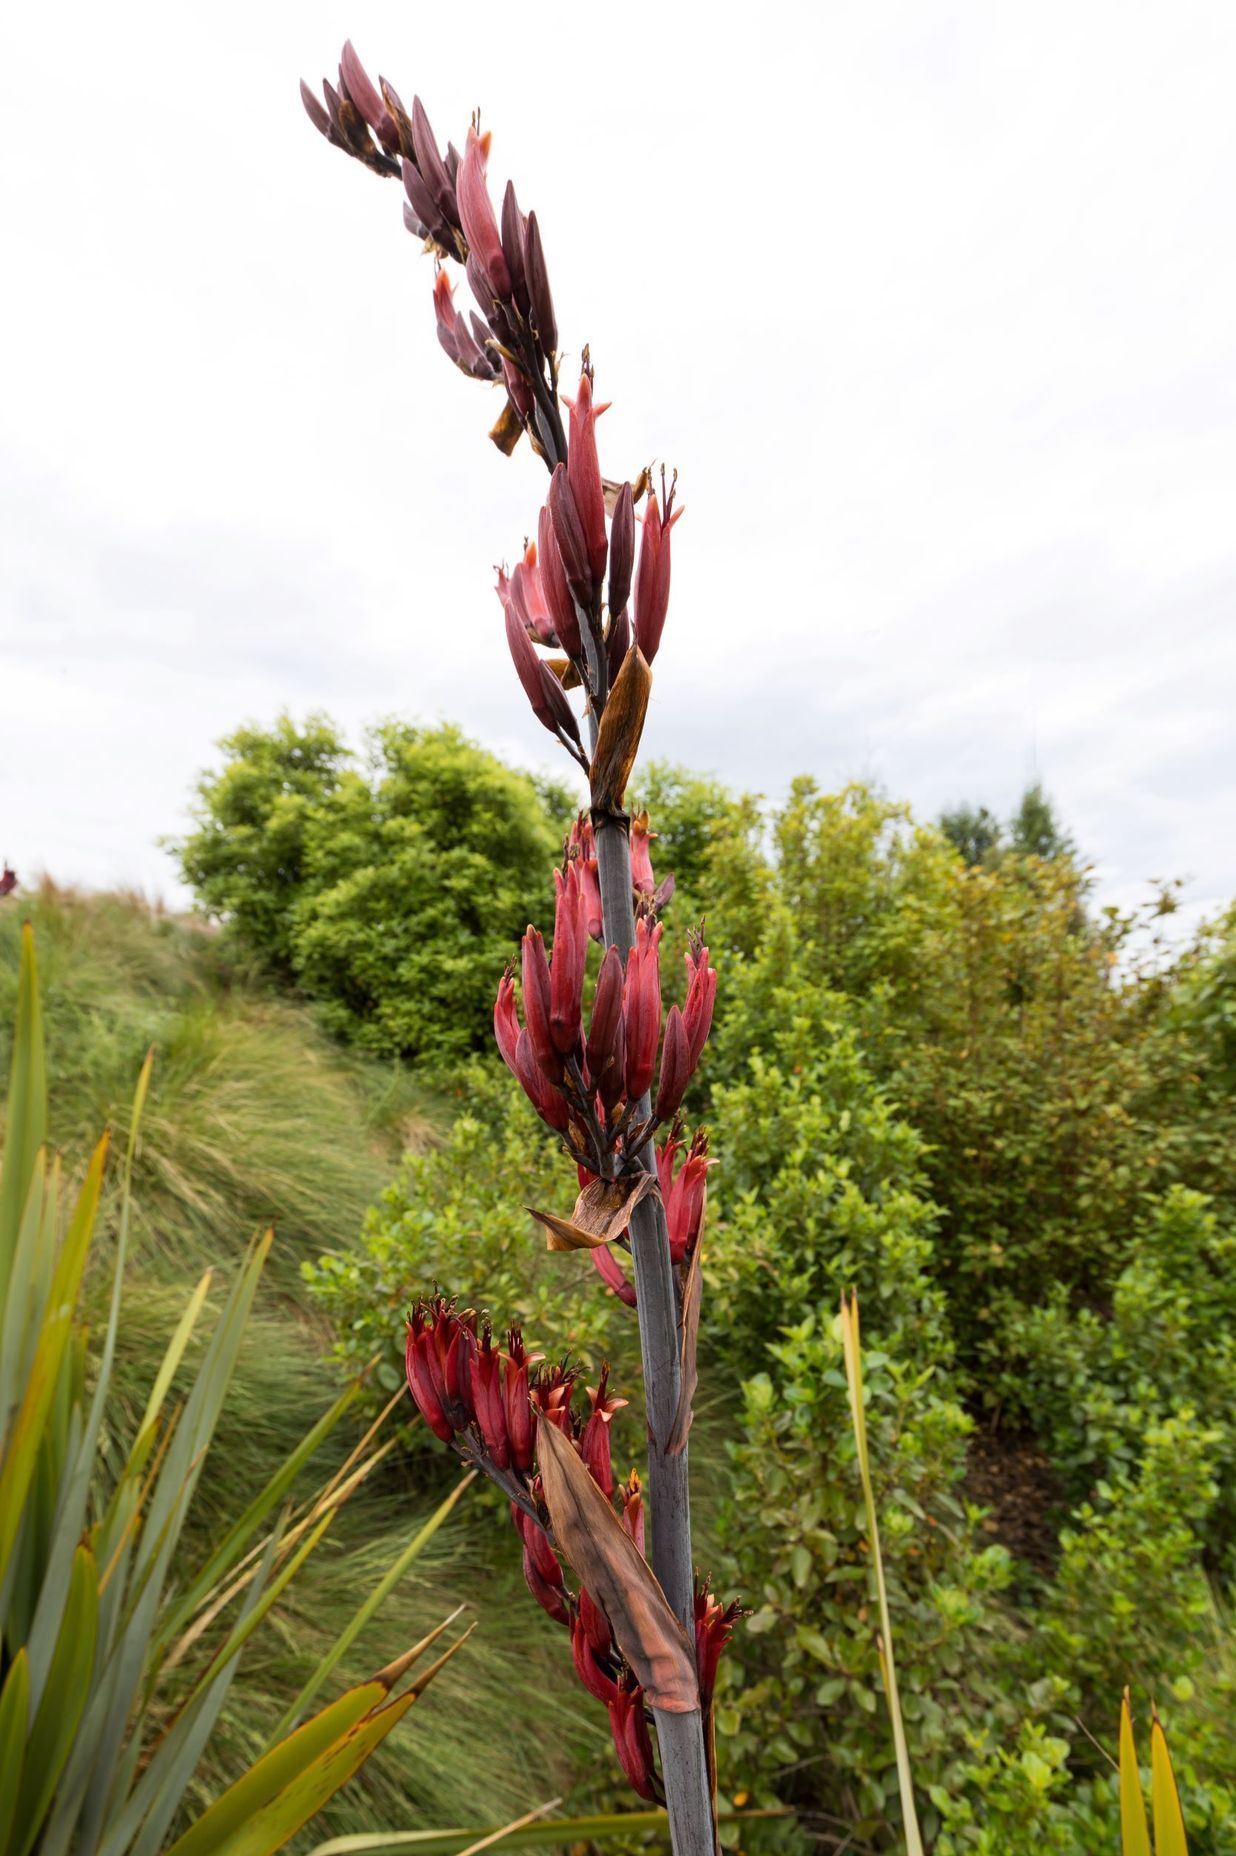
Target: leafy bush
[824, 1189]
[456, 1215]
[391, 895]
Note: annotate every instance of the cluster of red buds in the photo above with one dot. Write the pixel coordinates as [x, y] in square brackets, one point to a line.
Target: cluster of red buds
[559, 592]
[489, 1403]
[447, 205]
[593, 1087]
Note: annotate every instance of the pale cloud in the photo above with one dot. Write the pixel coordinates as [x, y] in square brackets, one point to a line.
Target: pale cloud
[933, 305]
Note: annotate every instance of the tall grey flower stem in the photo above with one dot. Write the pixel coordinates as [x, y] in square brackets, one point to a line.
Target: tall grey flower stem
[680, 1736]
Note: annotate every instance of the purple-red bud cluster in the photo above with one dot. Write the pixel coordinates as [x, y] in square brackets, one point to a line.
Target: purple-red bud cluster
[589, 1084]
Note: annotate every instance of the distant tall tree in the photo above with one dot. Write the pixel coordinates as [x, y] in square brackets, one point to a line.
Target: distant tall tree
[974, 831]
[1035, 830]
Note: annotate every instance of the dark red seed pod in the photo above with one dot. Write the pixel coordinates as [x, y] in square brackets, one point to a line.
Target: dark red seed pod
[595, 1679]
[432, 167]
[514, 247]
[314, 111]
[606, 1014]
[421, 1383]
[539, 295]
[569, 533]
[676, 1067]
[538, 1003]
[621, 550]
[558, 596]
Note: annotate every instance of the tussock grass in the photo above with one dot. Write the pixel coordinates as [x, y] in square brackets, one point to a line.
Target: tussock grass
[255, 1116]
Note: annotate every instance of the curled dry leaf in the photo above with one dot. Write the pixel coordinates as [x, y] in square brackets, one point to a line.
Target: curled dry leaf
[602, 1213]
[507, 431]
[688, 1330]
[622, 724]
[607, 1561]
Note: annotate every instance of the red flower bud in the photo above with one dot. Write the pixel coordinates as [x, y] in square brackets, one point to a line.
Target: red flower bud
[652, 578]
[714, 1626]
[476, 215]
[537, 1004]
[569, 531]
[514, 240]
[594, 1443]
[587, 1668]
[488, 1402]
[642, 878]
[632, 1516]
[641, 1009]
[683, 1194]
[606, 1015]
[584, 476]
[506, 1021]
[675, 1067]
[582, 846]
[621, 550]
[631, 1742]
[355, 84]
[570, 955]
[434, 173]
[528, 598]
[612, 1273]
[595, 1624]
[542, 688]
[543, 320]
[516, 1403]
[549, 1104]
[559, 600]
[701, 996]
[421, 1379]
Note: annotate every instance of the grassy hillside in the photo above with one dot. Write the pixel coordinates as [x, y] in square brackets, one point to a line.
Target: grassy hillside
[256, 1117]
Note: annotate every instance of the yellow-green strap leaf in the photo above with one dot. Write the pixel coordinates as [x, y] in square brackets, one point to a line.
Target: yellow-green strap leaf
[1134, 1836]
[14, 1711]
[64, 1697]
[1169, 1830]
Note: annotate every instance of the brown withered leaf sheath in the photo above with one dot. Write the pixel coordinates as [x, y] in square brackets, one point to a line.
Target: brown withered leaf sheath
[689, 1329]
[602, 1213]
[622, 725]
[607, 1561]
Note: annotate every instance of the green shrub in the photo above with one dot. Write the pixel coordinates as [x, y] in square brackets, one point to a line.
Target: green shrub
[392, 895]
[821, 1189]
[1167, 1343]
[457, 1215]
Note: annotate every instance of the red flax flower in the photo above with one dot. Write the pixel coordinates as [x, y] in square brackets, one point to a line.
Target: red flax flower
[584, 475]
[594, 1438]
[559, 600]
[582, 847]
[682, 1192]
[566, 978]
[631, 1743]
[652, 576]
[476, 214]
[641, 1008]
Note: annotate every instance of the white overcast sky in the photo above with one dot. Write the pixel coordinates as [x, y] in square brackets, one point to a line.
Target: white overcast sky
[932, 305]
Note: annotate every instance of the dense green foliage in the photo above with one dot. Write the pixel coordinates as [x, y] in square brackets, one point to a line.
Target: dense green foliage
[390, 893]
[939, 1075]
[1003, 1116]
